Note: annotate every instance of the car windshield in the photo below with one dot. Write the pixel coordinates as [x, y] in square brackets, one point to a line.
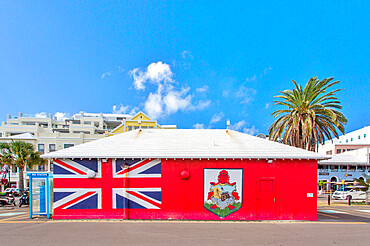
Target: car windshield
[345, 189]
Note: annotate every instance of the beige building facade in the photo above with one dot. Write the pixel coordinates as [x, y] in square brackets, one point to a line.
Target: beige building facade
[48, 133]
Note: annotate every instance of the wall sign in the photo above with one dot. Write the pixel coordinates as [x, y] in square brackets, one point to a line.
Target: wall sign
[223, 190]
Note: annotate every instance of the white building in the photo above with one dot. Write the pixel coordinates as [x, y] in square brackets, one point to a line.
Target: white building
[48, 133]
[353, 140]
[345, 166]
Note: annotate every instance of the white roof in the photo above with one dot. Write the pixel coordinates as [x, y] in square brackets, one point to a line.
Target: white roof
[24, 136]
[184, 143]
[360, 156]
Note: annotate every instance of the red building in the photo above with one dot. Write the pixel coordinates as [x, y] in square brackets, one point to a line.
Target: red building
[185, 174]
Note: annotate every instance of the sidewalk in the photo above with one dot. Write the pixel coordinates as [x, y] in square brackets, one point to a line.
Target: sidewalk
[322, 200]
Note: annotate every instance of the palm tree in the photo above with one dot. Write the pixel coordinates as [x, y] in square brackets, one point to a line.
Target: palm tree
[364, 182]
[311, 115]
[22, 155]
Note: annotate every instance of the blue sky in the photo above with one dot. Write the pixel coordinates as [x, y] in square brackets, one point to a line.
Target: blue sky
[189, 63]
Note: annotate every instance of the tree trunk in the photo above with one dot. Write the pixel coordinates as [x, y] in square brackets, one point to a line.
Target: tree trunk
[21, 181]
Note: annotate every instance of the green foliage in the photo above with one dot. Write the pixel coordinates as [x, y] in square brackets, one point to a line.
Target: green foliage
[365, 183]
[223, 212]
[21, 154]
[310, 115]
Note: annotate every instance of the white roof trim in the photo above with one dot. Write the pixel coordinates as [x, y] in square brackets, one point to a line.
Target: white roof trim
[184, 143]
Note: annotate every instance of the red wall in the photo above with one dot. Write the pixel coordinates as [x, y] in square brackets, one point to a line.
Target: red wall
[183, 199]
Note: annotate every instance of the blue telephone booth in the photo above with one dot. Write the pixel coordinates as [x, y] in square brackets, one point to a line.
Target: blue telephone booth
[40, 194]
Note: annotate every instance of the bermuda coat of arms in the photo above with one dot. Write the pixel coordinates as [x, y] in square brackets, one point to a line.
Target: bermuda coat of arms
[223, 190]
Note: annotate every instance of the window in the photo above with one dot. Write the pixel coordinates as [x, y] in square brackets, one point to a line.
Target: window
[361, 168]
[51, 166]
[339, 151]
[14, 169]
[329, 152]
[41, 148]
[346, 140]
[334, 168]
[351, 139]
[359, 137]
[42, 168]
[68, 145]
[51, 147]
[364, 135]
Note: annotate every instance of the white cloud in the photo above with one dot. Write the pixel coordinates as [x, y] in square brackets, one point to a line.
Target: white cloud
[245, 93]
[238, 125]
[57, 115]
[267, 105]
[156, 73]
[134, 111]
[198, 126]
[186, 54]
[154, 105]
[251, 79]
[120, 109]
[201, 105]
[225, 93]
[61, 115]
[41, 115]
[255, 77]
[166, 99]
[251, 131]
[106, 74]
[217, 117]
[202, 89]
[120, 69]
[177, 100]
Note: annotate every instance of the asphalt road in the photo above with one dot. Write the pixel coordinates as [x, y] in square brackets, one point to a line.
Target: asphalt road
[335, 225]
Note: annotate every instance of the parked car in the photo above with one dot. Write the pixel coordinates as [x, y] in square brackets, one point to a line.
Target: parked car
[355, 193]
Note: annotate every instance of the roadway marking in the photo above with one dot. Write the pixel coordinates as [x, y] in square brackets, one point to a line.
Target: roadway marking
[331, 211]
[20, 216]
[365, 211]
[10, 214]
[19, 222]
[354, 212]
[331, 216]
[340, 223]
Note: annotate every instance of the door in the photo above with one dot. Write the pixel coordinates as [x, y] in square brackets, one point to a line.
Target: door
[266, 198]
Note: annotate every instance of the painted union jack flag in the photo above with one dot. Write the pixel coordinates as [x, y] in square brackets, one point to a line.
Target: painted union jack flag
[113, 187]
